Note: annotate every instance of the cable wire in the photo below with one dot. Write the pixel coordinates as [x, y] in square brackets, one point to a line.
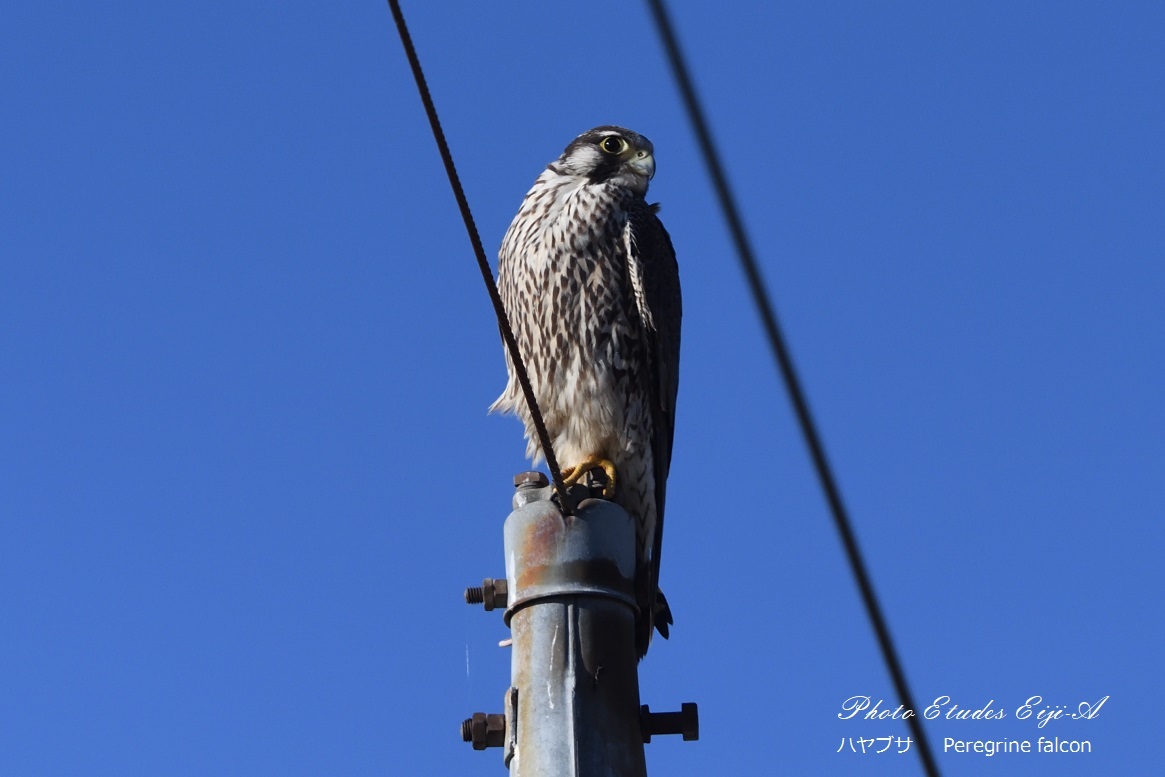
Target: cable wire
[482, 262]
[788, 373]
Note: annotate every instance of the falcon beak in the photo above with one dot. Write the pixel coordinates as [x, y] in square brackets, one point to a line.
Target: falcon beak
[643, 163]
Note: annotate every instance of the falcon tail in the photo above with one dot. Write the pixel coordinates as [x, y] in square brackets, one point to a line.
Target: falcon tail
[660, 620]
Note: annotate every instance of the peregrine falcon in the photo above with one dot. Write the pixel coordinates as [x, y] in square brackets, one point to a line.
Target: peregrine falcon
[589, 280]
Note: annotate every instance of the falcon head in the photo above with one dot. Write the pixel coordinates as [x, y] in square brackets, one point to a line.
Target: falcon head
[610, 155]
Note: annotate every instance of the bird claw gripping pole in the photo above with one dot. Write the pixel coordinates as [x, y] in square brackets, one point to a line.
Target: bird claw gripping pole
[572, 709]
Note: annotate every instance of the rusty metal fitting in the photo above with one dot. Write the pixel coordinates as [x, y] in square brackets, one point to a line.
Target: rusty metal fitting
[531, 479]
[492, 593]
[686, 722]
[484, 730]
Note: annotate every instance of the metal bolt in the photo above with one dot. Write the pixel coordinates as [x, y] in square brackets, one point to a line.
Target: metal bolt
[492, 593]
[484, 730]
[531, 480]
[686, 722]
[496, 593]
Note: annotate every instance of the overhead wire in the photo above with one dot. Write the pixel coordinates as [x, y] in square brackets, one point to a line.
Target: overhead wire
[793, 386]
[482, 263]
[765, 309]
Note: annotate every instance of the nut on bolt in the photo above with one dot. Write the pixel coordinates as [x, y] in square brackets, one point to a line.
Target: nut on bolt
[686, 722]
[492, 593]
[484, 730]
[531, 479]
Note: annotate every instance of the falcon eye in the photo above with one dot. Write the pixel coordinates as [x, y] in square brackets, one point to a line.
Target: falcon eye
[613, 144]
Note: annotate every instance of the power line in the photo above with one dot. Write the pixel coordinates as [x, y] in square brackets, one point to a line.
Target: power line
[482, 262]
[788, 373]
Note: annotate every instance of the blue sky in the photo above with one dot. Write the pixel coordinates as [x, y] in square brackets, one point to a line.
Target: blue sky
[245, 356]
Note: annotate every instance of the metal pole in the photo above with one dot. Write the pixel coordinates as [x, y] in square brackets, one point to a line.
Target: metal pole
[572, 709]
[571, 610]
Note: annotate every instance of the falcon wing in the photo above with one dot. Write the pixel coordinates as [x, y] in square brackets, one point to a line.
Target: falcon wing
[656, 282]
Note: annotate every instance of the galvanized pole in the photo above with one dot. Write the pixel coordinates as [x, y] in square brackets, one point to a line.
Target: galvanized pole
[571, 611]
[572, 709]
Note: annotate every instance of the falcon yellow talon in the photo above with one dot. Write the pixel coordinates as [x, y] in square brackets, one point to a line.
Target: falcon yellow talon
[572, 475]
